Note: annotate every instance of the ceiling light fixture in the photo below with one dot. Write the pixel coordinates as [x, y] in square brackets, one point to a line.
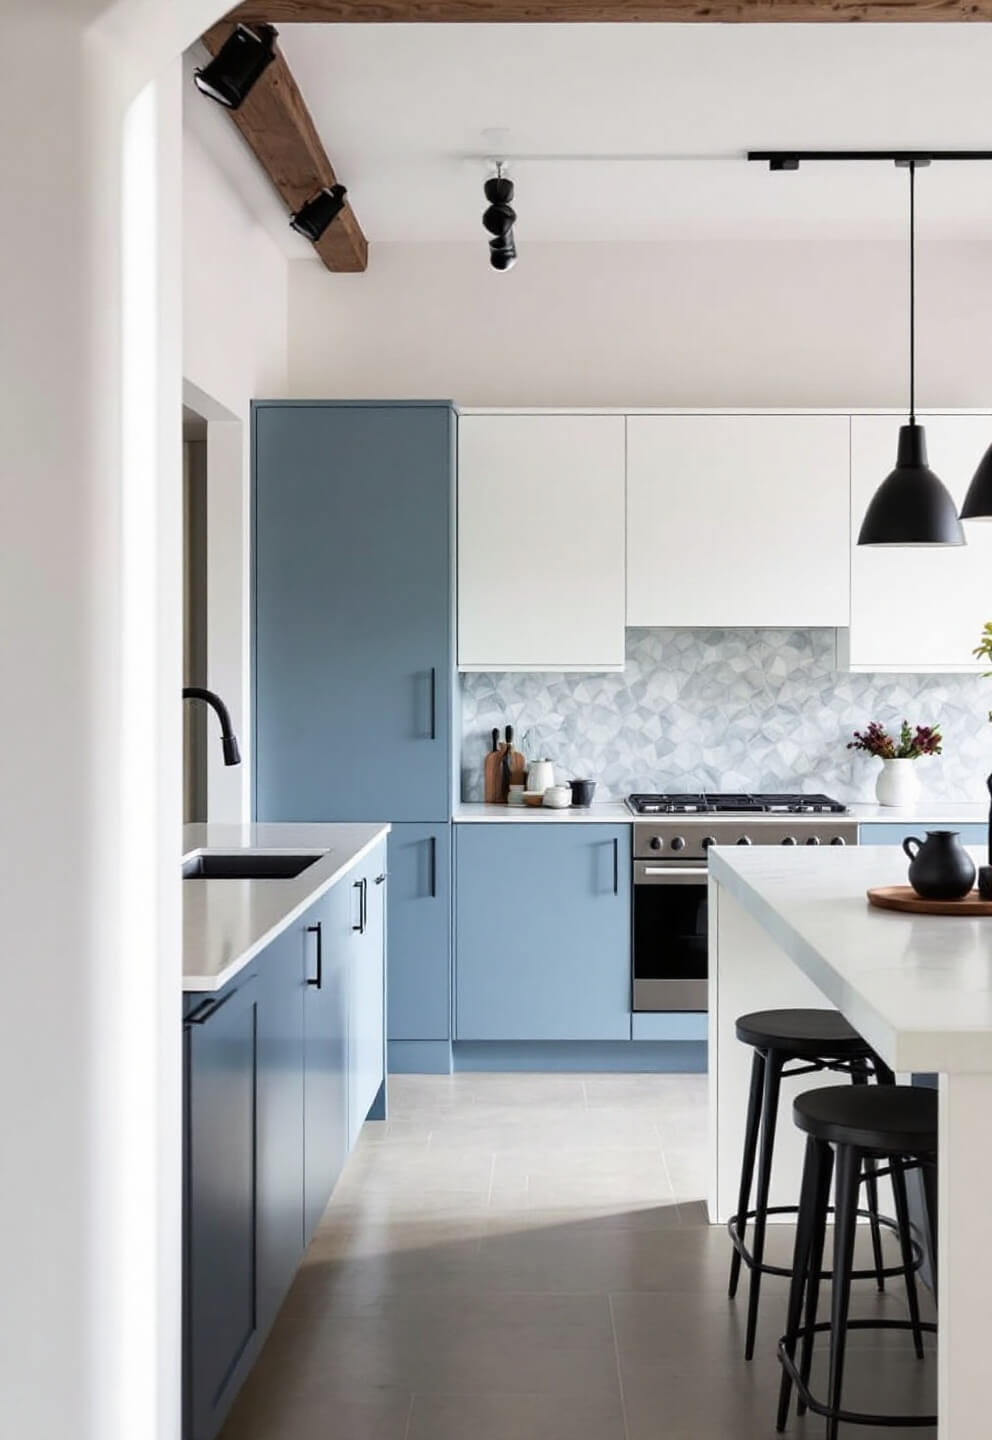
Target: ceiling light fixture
[911, 506]
[313, 218]
[499, 219]
[239, 62]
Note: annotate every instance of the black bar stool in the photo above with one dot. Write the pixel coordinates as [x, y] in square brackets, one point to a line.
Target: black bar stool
[820, 1040]
[895, 1124]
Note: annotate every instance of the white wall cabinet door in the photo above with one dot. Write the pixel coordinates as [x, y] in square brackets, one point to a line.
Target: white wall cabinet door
[541, 542]
[737, 520]
[918, 609]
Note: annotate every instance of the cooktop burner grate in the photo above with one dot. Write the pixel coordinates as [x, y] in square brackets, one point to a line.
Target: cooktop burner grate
[705, 803]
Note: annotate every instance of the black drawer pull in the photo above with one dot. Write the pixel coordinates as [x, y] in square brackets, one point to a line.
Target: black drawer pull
[317, 930]
[205, 1009]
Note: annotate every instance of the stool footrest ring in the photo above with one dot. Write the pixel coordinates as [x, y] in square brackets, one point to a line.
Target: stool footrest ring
[851, 1417]
[785, 1271]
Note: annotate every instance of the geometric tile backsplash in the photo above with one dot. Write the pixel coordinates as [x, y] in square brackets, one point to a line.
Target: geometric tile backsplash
[728, 710]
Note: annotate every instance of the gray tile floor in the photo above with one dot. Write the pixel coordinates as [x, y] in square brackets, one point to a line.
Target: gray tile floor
[526, 1257]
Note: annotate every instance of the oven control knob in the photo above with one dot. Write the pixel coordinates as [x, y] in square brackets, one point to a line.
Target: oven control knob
[678, 843]
[707, 841]
[744, 840]
[838, 840]
[813, 840]
[789, 840]
[655, 842]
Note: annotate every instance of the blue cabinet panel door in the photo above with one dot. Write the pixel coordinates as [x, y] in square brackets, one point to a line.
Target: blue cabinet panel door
[325, 1049]
[221, 1072]
[542, 932]
[367, 1027]
[353, 612]
[419, 932]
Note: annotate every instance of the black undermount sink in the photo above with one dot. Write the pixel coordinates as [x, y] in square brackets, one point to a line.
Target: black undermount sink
[244, 865]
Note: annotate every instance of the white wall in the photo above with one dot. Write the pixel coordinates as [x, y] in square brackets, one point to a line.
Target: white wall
[234, 350]
[727, 320]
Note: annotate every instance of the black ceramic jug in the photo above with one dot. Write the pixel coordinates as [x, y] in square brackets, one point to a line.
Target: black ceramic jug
[940, 869]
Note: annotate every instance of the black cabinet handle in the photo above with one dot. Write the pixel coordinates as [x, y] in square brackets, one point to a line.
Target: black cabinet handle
[357, 885]
[319, 932]
[433, 867]
[365, 903]
[433, 702]
[204, 1010]
[380, 879]
[616, 866]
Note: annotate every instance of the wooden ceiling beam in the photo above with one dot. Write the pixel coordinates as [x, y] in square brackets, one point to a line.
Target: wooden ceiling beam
[516, 12]
[276, 123]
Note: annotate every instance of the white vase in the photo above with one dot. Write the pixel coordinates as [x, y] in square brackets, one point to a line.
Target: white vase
[898, 784]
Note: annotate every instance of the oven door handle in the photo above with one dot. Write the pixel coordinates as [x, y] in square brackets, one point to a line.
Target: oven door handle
[646, 874]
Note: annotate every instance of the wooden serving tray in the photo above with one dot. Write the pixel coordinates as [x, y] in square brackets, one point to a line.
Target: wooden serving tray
[904, 897]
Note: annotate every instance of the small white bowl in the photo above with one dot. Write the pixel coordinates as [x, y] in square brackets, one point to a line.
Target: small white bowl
[557, 797]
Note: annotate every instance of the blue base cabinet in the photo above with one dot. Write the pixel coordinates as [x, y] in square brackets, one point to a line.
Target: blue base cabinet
[419, 932]
[883, 833]
[542, 932]
[221, 1073]
[281, 1068]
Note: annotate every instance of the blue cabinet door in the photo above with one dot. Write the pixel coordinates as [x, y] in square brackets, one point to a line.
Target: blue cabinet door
[882, 833]
[325, 1047]
[542, 932]
[279, 1220]
[367, 995]
[419, 932]
[353, 611]
[220, 1045]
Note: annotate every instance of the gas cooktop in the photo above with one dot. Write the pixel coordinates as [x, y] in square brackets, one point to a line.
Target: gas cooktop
[705, 803]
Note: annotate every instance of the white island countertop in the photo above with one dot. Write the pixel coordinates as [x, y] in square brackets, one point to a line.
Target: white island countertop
[918, 987]
[227, 922]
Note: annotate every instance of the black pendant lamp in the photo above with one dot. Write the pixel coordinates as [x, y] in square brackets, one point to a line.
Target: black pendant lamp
[978, 501]
[912, 506]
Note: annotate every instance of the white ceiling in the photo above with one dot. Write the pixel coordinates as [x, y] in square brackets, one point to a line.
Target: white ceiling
[407, 113]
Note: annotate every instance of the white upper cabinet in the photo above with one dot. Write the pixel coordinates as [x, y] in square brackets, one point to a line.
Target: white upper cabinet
[918, 609]
[541, 542]
[738, 520]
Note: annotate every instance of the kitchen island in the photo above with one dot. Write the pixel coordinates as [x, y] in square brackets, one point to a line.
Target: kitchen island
[793, 928]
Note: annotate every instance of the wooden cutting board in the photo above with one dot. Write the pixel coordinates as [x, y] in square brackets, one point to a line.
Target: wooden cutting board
[493, 776]
[904, 897]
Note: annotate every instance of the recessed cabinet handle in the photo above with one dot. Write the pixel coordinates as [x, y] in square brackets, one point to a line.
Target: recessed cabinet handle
[205, 1010]
[317, 930]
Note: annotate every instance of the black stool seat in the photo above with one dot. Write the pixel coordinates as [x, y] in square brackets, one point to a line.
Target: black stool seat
[803, 1034]
[883, 1119]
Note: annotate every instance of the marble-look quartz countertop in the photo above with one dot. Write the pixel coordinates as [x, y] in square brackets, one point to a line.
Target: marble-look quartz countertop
[613, 812]
[918, 987]
[227, 922]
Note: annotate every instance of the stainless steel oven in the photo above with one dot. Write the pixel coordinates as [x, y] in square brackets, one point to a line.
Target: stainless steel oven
[670, 894]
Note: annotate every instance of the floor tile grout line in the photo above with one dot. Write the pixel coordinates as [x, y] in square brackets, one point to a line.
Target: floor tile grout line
[616, 1352]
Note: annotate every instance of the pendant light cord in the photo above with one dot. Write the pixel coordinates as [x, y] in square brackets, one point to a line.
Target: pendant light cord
[912, 292]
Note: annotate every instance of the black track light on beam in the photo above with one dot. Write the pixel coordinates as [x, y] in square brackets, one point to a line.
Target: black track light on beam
[313, 218]
[239, 62]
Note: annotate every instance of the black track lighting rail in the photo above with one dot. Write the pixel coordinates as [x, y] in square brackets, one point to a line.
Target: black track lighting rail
[792, 159]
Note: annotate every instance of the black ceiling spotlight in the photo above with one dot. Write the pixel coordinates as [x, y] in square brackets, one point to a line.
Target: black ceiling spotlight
[313, 218]
[229, 76]
[499, 219]
[911, 506]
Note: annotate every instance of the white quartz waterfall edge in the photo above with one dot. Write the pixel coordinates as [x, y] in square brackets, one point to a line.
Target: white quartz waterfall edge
[794, 928]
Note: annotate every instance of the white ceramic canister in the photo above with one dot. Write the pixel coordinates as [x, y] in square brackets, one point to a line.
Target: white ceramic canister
[540, 775]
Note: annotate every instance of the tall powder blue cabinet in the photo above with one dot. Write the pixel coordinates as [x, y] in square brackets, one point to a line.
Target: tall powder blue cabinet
[353, 620]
